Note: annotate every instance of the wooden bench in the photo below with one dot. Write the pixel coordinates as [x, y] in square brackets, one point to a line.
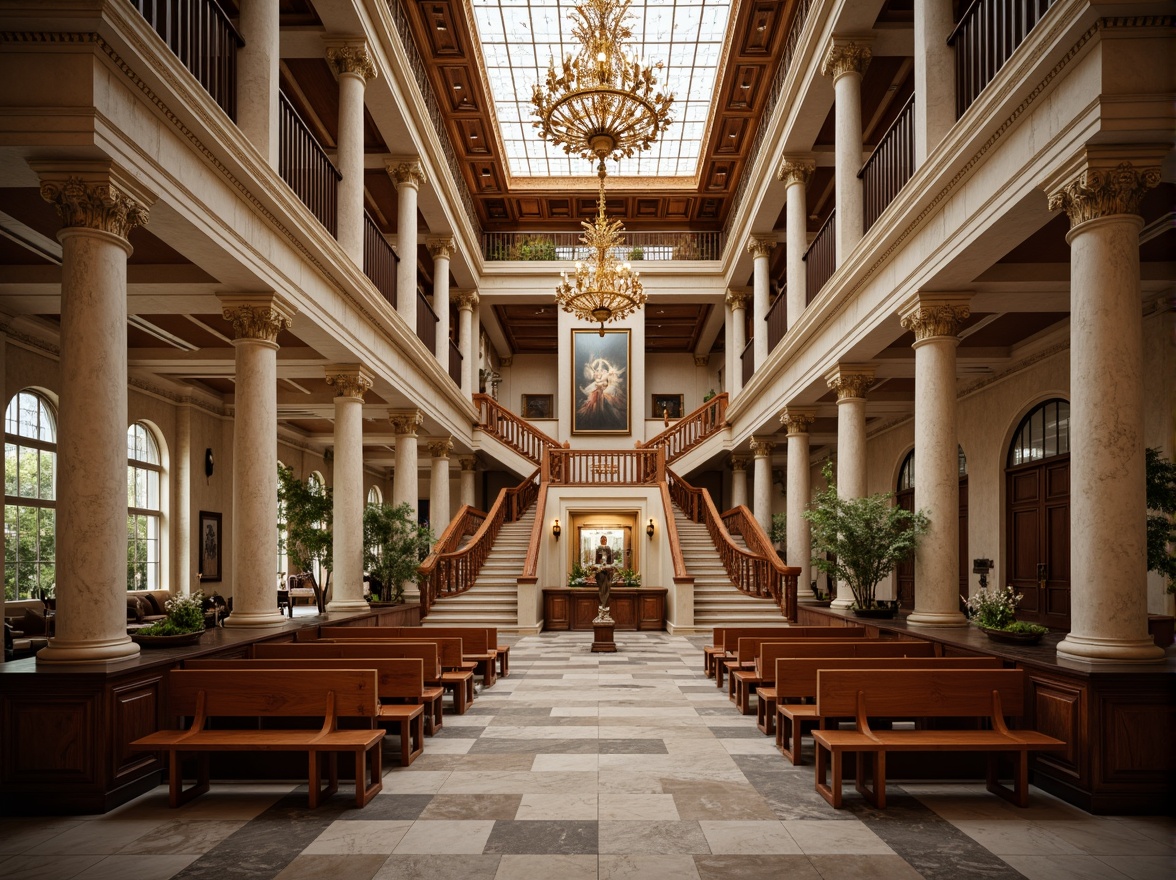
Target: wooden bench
[475, 648]
[426, 652]
[732, 635]
[923, 693]
[796, 679]
[771, 652]
[397, 679]
[266, 693]
[744, 673]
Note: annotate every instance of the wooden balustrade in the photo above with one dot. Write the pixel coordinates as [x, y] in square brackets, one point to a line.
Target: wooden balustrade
[199, 34]
[740, 521]
[379, 260]
[891, 164]
[692, 429]
[987, 34]
[754, 573]
[820, 260]
[448, 572]
[777, 318]
[591, 467]
[747, 360]
[427, 319]
[517, 433]
[681, 575]
[305, 167]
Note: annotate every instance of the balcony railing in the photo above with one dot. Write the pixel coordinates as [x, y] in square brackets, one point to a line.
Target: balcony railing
[305, 167]
[692, 429]
[627, 467]
[379, 260]
[747, 360]
[985, 38]
[639, 246]
[454, 362]
[891, 164]
[426, 322]
[200, 34]
[515, 432]
[820, 260]
[777, 319]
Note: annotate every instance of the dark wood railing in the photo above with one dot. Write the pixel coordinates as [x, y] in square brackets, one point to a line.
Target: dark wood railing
[692, 429]
[200, 34]
[747, 360]
[820, 260]
[891, 164]
[451, 571]
[517, 433]
[740, 521]
[379, 260]
[305, 167]
[594, 467]
[454, 362]
[681, 575]
[530, 573]
[988, 33]
[777, 319]
[754, 573]
[426, 322]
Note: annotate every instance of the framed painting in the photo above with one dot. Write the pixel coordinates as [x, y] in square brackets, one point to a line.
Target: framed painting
[606, 545]
[600, 382]
[667, 406]
[210, 547]
[538, 406]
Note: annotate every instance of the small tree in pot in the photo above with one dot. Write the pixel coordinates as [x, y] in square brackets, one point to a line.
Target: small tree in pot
[866, 537]
[393, 546]
[307, 511]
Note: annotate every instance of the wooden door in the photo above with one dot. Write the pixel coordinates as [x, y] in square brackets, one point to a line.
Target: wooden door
[1038, 523]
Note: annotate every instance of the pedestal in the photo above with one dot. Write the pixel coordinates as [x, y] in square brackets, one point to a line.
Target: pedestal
[603, 640]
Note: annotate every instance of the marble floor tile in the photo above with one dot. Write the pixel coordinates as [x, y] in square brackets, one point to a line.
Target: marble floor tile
[755, 867]
[458, 836]
[438, 867]
[1098, 836]
[570, 805]
[182, 836]
[359, 836]
[1055, 867]
[473, 806]
[637, 806]
[450, 745]
[387, 805]
[855, 867]
[96, 838]
[666, 838]
[734, 837]
[547, 867]
[405, 780]
[536, 837]
[1135, 867]
[646, 867]
[718, 801]
[158, 866]
[332, 867]
[21, 835]
[1016, 838]
[816, 837]
[549, 763]
[52, 867]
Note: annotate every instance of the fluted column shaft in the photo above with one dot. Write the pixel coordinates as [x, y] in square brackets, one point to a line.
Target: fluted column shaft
[736, 302]
[846, 62]
[468, 474]
[257, 76]
[796, 420]
[347, 498]
[738, 482]
[466, 300]
[408, 176]
[796, 173]
[98, 214]
[935, 75]
[354, 67]
[851, 382]
[762, 489]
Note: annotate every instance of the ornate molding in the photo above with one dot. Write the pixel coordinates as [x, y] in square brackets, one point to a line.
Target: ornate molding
[99, 205]
[851, 383]
[795, 171]
[843, 58]
[931, 316]
[349, 381]
[352, 59]
[259, 319]
[506, 361]
[468, 463]
[797, 420]
[440, 447]
[441, 248]
[1098, 192]
[761, 447]
[737, 299]
[758, 246]
[405, 422]
[738, 463]
[466, 299]
[406, 172]
[702, 360]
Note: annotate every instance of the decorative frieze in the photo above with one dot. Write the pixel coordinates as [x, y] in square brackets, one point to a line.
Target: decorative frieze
[102, 206]
[353, 382]
[1101, 192]
[261, 319]
[405, 422]
[761, 447]
[845, 58]
[797, 420]
[406, 172]
[795, 171]
[760, 247]
[737, 299]
[931, 316]
[851, 383]
[440, 447]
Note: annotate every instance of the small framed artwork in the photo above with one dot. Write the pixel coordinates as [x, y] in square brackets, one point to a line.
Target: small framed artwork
[600, 382]
[667, 406]
[538, 406]
[210, 547]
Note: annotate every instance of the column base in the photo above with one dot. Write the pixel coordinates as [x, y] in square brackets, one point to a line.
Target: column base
[348, 606]
[90, 651]
[936, 618]
[1094, 650]
[842, 604]
[263, 618]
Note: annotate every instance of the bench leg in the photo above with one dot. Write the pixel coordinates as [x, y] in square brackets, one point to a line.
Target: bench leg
[177, 796]
[765, 715]
[317, 793]
[876, 795]
[371, 763]
[1019, 793]
[719, 667]
[830, 791]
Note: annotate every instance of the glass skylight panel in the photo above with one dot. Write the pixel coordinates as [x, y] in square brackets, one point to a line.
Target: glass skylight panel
[520, 37]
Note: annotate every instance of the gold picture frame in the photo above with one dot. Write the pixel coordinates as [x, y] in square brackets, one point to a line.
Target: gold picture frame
[600, 382]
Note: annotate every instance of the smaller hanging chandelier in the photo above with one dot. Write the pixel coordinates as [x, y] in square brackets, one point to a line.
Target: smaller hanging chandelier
[602, 289]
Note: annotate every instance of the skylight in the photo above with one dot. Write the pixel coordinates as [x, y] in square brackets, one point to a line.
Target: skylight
[520, 37]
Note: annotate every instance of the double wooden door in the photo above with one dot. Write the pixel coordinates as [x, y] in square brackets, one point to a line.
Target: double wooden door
[1038, 545]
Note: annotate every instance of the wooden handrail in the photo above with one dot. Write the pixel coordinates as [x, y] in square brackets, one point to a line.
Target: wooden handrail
[691, 429]
[531, 563]
[517, 433]
[740, 521]
[681, 575]
[591, 467]
[754, 573]
[455, 571]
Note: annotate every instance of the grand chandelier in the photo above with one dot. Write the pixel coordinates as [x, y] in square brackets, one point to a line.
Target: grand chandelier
[604, 105]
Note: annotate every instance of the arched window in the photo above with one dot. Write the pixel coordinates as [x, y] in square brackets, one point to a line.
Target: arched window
[374, 496]
[144, 509]
[906, 473]
[1043, 433]
[30, 497]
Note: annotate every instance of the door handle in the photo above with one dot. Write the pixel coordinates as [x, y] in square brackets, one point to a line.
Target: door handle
[1041, 574]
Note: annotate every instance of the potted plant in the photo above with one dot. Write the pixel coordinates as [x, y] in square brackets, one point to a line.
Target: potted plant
[778, 533]
[626, 577]
[859, 541]
[393, 545]
[183, 625]
[307, 512]
[995, 613]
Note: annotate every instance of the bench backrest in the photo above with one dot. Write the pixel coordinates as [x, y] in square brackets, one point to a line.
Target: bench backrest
[747, 648]
[770, 652]
[281, 692]
[398, 677]
[922, 693]
[449, 651]
[797, 676]
[426, 652]
[732, 634]
[473, 639]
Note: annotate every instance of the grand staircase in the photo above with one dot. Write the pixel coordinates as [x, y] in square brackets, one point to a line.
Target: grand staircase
[493, 600]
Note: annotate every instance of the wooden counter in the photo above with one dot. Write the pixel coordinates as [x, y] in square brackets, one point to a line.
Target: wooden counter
[633, 608]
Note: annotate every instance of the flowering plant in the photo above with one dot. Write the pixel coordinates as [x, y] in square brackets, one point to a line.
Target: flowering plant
[993, 609]
[626, 577]
[185, 614]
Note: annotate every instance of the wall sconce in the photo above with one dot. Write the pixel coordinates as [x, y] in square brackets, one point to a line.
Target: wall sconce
[649, 529]
[556, 531]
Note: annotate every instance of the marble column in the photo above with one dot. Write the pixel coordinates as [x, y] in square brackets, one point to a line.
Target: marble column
[257, 76]
[409, 177]
[935, 320]
[350, 382]
[257, 320]
[761, 448]
[466, 300]
[796, 421]
[442, 251]
[795, 172]
[736, 304]
[352, 65]
[98, 209]
[181, 507]
[738, 481]
[469, 472]
[935, 76]
[851, 382]
[405, 424]
[760, 249]
[846, 62]
[1108, 555]
[439, 516]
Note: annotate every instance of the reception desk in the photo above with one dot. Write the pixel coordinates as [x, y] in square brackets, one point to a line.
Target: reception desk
[632, 608]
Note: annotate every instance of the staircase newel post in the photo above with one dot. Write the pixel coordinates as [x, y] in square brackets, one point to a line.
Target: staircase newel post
[661, 464]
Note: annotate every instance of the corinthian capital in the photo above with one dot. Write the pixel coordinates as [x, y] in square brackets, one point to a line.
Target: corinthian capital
[441, 248]
[352, 59]
[851, 381]
[257, 317]
[349, 381]
[406, 172]
[758, 246]
[929, 315]
[848, 57]
[440, 447]
[761, 447]
[1100, 192]
[101, 205]
[796, 420]
[466, 299]
[737, 299]
[795, 171]
[405, 422]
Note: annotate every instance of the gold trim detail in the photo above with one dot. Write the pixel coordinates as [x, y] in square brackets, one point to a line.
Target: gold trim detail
[846, 58]
[761, 447]
[351, 383]
[760, 247]
[930, 319]
[441, 447]
[797, 421]
[795, 171]
[263, 321]
[851, 383]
